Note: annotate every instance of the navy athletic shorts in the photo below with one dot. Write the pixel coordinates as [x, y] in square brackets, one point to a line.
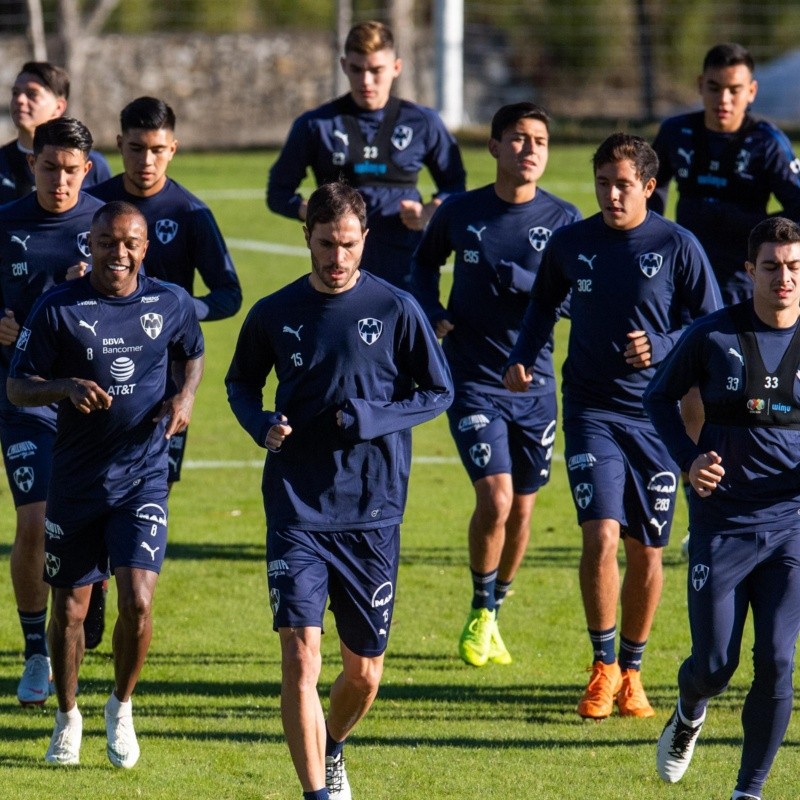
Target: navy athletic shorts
[623, 472]
[357, 570]
[27, 452]
[512, 435]
[84, 539]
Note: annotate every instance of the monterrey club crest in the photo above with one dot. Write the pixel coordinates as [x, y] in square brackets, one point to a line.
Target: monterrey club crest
[82, 240]
[699, 576]
[650, 264]
[23, 477]
[152, 324]
[370, 330]
[166, 230]
[583, 494]
[538, 237]
[480, 454]
[402, 136]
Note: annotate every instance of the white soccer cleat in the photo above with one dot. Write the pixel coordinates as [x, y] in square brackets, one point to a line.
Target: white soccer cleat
[34, 685]
[675, 747]
[122, 748]
[65, 743]
[336, 778]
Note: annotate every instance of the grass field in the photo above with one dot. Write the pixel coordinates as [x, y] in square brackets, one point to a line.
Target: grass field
[207, 707]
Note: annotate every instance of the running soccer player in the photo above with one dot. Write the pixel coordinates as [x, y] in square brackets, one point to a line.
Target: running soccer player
[185, 241]
[745, 536]
[40, 93]
[635, 277]
[357, 366]
[376, 142]
[505, 441]
[727, 165]
[43, 237]
[101, 347]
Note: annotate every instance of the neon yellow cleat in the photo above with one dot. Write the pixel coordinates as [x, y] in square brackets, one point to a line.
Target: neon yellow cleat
[475, 641]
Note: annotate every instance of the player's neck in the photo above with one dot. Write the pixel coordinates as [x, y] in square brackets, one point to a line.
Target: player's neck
[780, 318]
[25, 139]
[137, 191]
[514, 193]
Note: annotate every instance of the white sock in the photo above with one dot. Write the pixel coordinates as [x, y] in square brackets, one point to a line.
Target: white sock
[116, 708]
[72, 716]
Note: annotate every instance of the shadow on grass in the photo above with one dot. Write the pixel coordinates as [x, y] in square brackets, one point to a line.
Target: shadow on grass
[535, 558]
[180, 551]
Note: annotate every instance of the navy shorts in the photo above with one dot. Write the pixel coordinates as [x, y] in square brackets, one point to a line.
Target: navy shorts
[623, 472]
[357, 570]
[83, 540]
[27, 443]
[177, 449]
[512, 435]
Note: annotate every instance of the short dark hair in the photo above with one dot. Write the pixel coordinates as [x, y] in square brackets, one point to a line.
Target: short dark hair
[624, 146]
[369, 37]
[772, 230]
[332, 201]
[118, 208]
[62, 132]
[511, 114]
[147, 113]
[48, 75]
[728, 55]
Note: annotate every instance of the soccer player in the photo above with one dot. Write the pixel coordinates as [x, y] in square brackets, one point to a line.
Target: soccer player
[40, 93]
[505, 441]
[727, 165]
[374, 141]
[185, 241]
[635, 277]
[745, 536]
[357, 366]
[101, 348]
[42, 239]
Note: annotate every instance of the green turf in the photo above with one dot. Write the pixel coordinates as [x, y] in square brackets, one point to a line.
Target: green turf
[207, 707]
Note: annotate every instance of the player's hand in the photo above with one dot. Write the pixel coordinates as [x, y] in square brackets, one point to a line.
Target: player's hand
[178, 411]
[277, 433]
[9, 328]
[87, 396]
[76, 271]
[443, 327]
[639, 352]
[517, 378]
[706, 472]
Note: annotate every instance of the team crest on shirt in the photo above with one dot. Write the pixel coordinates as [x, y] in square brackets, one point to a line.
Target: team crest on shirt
[538, 237]
[650, 264]
[52, 564]
[699, 576]
[82, 240]
[480, 454]
[152, 324]
[583, 494]
[402, 136]
[166, 230]
[370, 329]
[23, 477]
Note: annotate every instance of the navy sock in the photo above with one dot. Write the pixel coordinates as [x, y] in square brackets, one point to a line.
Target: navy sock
[691, 712]
[483, 584]
[500, 591]
[33, 629]
[630, 653]
[320, 794]
[332, 747]
[603, 644]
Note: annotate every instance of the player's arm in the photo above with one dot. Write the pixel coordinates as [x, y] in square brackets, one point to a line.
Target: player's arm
[550, 289]
[682, 369]
[34, 390]
[288, 172]
[417, 353]
[431, 253]
[178, 408]
[444, 162]
[213, 261]
[253, 359]
[783, 169]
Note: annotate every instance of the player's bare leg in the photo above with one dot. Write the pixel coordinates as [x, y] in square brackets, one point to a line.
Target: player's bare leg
[353, 692]
[65, 634]
[301, 710]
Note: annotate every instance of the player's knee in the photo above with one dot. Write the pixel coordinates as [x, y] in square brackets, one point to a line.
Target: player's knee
[772, 673]
[367, 678]
[300, 662]
[710, 679]
[493, 499]
[135, 608]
